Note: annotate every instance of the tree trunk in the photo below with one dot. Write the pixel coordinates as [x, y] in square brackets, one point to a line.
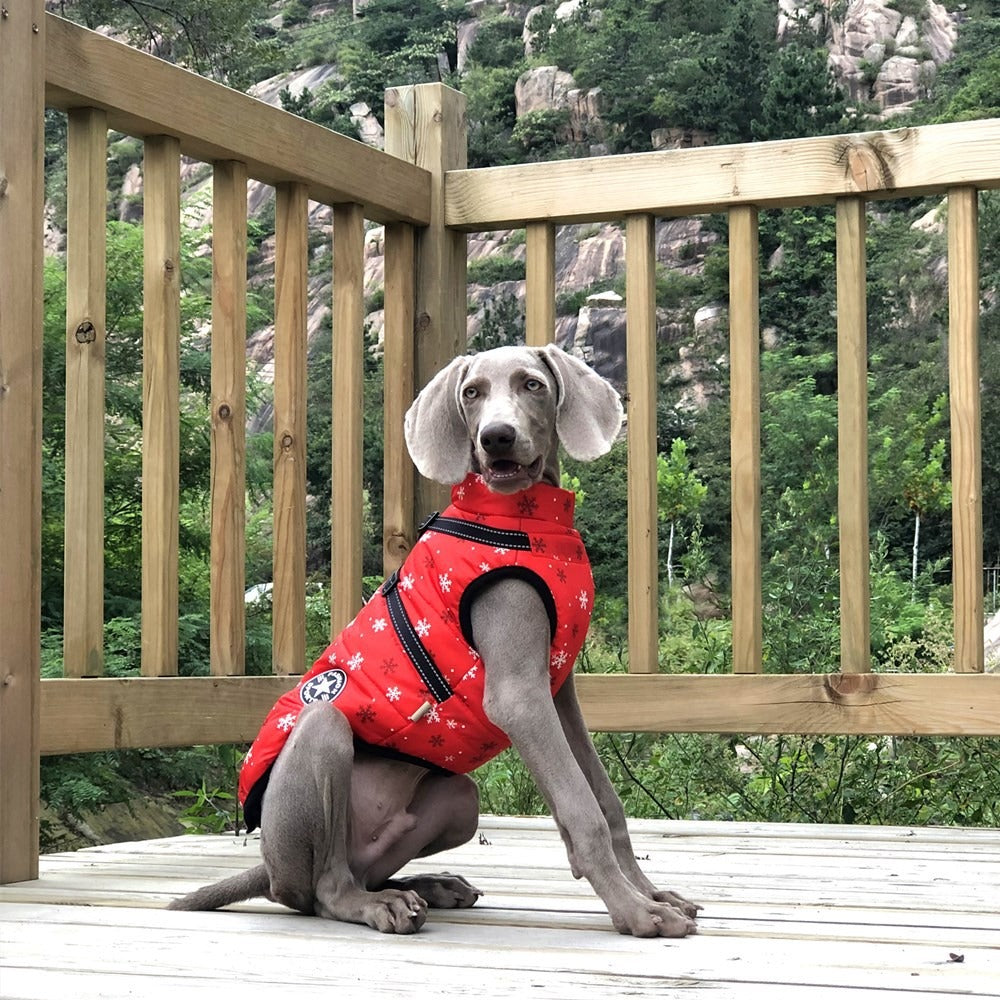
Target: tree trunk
[916, 550]
[670, 556]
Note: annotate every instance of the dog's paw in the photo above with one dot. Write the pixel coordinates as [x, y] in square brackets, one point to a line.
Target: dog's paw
[678, 902]
[394, 911]
[654, 919]
[442, 892]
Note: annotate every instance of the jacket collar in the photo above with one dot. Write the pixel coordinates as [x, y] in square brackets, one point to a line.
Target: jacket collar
[540, 502]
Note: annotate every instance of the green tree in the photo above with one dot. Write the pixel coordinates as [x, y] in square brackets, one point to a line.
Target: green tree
[216, 38]
[680, 493]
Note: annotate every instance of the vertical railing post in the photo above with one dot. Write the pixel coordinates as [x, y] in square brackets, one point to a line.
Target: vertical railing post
[160, 402]
[966, 430]
[348, 413]
[22, 95]
[540, 284]
[425, 125]
[744, 377]
[227, 644]
[291, 275]
[852, 436]
[397, 367]
[643, 576]
[86, 278]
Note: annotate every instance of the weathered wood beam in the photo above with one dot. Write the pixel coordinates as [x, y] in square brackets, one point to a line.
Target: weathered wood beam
[145, 96]
[891, 164]
[81, 715]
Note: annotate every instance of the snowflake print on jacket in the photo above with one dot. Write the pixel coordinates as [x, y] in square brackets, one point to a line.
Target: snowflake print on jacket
[431, 711]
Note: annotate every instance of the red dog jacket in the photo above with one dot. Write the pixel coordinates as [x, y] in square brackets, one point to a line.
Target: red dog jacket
[406, 672]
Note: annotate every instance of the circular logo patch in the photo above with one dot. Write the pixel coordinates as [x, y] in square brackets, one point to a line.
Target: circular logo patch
[326, 686]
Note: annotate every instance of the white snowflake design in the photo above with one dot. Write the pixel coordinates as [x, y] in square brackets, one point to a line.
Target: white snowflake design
[422, 627]
[559, 659]
[460, 492]
[407, 582]
[379, 625]
[584, 599]
[485, 567]
[444, 582]
[473, 652]
[393, 694]
[286, 722]
[500, 550]
[470, 674]
[433, 715]
[355, 661]
[331, 658]
[451, 723]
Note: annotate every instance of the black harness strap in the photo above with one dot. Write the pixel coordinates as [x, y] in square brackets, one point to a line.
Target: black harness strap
[415, 650]
[472, 531]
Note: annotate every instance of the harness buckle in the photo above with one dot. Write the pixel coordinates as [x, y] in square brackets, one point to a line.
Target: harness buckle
[427, 522]
[390, 585]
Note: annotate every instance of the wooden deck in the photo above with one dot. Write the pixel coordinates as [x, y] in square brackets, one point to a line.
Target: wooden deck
[790, 912]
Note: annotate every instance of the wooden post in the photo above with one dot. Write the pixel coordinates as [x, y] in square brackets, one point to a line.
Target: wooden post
[22, 56]
[540, 284]
[86, 278]
[966, 430]
[229, 379]
[852, 436]
[643, 555]
[160, 403]
[744, 369]
[425, 125]
[291, 275]
[397, 469]
[348, 413]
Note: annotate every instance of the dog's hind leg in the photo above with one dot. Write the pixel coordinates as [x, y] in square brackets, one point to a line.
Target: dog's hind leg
[305, 831]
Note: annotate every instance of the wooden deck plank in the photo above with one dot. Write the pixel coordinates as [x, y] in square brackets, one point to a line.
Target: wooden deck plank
[845, 911]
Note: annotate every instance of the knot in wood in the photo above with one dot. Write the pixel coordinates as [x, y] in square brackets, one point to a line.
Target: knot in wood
[286, 442]
[86, 333]
[423, 322]
[225, 411]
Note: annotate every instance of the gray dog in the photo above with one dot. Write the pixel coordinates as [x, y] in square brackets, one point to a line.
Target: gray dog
[485, 619]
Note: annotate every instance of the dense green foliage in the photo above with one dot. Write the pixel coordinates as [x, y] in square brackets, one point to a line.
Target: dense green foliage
[666, 64]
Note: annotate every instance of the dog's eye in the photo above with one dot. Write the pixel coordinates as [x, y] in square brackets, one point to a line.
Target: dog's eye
[470, 392]
[533, 385]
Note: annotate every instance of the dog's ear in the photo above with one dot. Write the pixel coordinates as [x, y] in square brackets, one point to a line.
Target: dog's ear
[436, 435]
[588, 411]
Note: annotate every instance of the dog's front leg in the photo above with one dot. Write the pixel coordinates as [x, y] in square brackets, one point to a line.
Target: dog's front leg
[511, 631]
[582, 746]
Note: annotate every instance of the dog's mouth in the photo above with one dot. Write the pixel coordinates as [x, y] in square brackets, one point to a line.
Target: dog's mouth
[505, 474]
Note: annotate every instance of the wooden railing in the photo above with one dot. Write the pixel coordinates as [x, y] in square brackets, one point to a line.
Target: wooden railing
[427, 200]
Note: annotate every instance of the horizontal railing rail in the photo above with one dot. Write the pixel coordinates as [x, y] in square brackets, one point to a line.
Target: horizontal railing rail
[427, 199]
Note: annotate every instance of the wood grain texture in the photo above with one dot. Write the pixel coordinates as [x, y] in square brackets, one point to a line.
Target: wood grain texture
[161, 330]
[228, 416]
[21, 209]
[852, 439]
[347, 513]
[640, 314]
[397, 468]
[86, 277]
[966, 427]
[744, 366]
[426, 125]
[791, 912]
[147, 96]
[291, 276]
[896, 163]
[540, 284]
[83, 715]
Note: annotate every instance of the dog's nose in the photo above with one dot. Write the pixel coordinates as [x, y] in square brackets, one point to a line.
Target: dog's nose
[497, 439]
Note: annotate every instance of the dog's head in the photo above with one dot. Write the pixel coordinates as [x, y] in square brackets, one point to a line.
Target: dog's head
[504, 412]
